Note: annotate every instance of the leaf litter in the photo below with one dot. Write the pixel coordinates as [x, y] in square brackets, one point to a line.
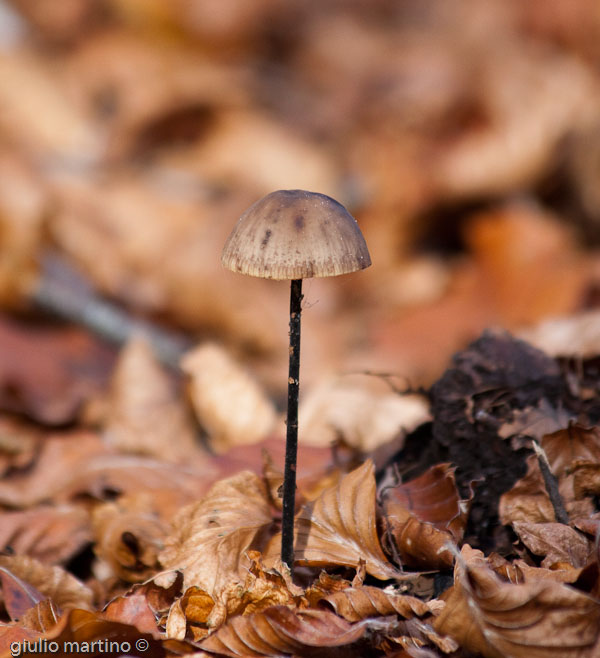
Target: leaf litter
[455, 513]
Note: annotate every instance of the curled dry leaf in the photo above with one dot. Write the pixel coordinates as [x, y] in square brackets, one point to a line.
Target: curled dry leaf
[558, 543]
[534, 619]
[52, 581]
[339, 528]
[129, 536]
[145, 416]
[280, 631]
[51, 534]
[229, 404]
[426, 514]
[210, 538]
[356, 603]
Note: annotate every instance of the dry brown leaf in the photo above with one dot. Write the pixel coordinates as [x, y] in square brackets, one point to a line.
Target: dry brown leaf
[63, 132]
[210, 538]
[280, 631]
[534, 619]
[356, 603]
[258, 152]
[586, 478]
[528, 500]
[528, 262]
[571, 444]
[362, 410]
[48, 373]
[145, 415]
[558, 543]
[517, 140]
[51, 534]
[229, 404]
[52, 581]
[425, 514]
[339, 528]
[79, 462]
[133, 609]
[129, 536]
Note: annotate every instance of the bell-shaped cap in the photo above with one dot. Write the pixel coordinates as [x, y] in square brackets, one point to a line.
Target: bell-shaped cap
[294, 234]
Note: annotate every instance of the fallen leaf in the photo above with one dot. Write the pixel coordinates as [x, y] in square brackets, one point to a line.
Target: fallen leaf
[210, 538]
[556, 542]
[129, 536]
[228, 402]
[425, 514]
[80, 462]
[280, 631]
[356, 603]
[51, 534]
[339, 528]
[48, 373]
[52, 582]
[529, 620]
[528, 500]
[145, 415]
[135, 610]
[586, 478]
[19, 596]
[571, 444]
[364, 410]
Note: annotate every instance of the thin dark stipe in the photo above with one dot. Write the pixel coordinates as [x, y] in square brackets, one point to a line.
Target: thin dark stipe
[291, 443]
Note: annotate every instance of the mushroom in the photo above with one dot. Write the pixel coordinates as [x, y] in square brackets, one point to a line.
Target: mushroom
[294, 234]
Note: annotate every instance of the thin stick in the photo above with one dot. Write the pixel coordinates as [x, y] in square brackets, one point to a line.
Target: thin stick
[291, 442]
[551, 484]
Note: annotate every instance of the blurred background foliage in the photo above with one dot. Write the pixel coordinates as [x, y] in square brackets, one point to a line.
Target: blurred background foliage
[463, 135]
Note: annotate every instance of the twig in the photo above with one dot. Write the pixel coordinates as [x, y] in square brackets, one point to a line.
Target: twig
[551, 484]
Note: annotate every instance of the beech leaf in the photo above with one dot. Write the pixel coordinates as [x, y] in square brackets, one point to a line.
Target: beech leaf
[210, 537]
[280, 631]
[339, 528]
[356, 603]
[534, 619]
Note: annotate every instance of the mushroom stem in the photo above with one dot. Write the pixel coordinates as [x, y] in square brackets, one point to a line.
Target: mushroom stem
[291, 442]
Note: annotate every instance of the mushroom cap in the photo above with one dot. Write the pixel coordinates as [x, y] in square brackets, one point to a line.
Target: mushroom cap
[294, 234]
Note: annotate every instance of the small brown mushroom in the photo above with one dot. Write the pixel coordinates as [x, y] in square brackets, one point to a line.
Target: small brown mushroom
[294, 234]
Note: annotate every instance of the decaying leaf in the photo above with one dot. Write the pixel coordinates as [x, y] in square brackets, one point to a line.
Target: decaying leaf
[425, 514]
[365, 411]
[73, 463]
[528, 500]
[51, 534]
[210, 538]
[53, 582]
[129, 536]
[133, 609]
[571, 444]
[558, 543]
[145, 415]
[356, 603]
[280, 631]
[533, 619]
[229, 404]
[339, 528]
